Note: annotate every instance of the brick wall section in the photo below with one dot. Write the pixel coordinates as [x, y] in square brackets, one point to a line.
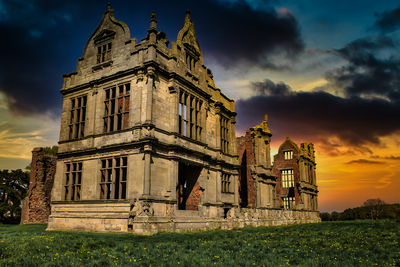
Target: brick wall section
[36, 206]
[280, 163]
[245, 151]
[194, 198]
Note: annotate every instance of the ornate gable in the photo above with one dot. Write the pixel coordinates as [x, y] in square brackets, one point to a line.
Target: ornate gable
[104, 36]
[187, 39]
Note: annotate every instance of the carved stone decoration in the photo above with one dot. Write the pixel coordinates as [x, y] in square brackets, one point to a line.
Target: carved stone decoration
[140, 208]
[146, 209]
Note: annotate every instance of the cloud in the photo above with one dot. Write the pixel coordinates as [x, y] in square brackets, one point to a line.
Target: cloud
[364, 161]
[319, 116]
[388, 21]
[238, 34]
[269, 88]
[372, 69]
[391, 157]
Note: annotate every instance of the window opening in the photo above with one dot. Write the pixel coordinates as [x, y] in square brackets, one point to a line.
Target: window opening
[116, 110]
[287, 178]
[77, 117]
[113, 178]
[189, 116]
[73, 181]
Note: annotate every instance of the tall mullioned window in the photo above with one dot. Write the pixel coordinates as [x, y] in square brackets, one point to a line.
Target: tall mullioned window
[103, 53]
[113, 178]
[116, 114]
[288, 154]
[189, 116]
[224, 125]
[77, 117]
[226, 183]
[288, 203]
[73, 181]
[287, 178]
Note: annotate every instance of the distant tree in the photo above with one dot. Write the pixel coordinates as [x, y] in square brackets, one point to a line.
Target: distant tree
[335, 216]
[374, 207]
[13, 188]
[325, 216]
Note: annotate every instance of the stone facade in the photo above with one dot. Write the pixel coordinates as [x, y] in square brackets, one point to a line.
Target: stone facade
[36, 205]
[148, 144]
[294, 168]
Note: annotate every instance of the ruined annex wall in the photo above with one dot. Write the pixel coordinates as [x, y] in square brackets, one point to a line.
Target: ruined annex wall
[247, 187]
[36, 206]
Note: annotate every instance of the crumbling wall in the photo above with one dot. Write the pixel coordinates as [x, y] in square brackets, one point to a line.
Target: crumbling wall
[247, 187]
[193, 200]
[36, 206]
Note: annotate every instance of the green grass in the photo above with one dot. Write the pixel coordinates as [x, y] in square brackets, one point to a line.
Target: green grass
[361, 243]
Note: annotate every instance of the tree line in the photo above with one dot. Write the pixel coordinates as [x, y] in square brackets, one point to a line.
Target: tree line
[371, 209]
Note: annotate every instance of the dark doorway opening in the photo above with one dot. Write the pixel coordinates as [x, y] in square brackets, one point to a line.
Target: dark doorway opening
[189, 191]
[243, 189]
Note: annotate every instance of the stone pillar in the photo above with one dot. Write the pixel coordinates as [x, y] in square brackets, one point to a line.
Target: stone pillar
[173, 178]
[148, 95]
[218, 127]
[232, 142]
[218, 187]
[174, 104]
[147, 170]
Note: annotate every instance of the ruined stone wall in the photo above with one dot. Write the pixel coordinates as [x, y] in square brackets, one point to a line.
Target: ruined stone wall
[36, 206]
[245, 151]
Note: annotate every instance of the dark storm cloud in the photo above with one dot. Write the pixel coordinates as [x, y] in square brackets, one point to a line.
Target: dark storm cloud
[45, 38]
[36, 47]
[238, 34]
[364, 161]
[373, 68]
[318, 116]
[388, 21]
[269, 88]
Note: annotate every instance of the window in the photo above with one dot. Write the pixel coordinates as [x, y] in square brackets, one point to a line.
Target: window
[103, 53]
[288, 154]
[190, 62]
[116, 115]
[189, 116]
[288, 203]
[73, 181]
[224, 124]
[287, 178]
[77, 117]
[113, 178]
[226, 183]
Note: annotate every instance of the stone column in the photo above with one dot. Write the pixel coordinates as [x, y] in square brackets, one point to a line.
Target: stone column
[232, 142]
[174, 106]
[147, 170]
[148, 95]
[218, 187]
[173, 178]
[218, 126]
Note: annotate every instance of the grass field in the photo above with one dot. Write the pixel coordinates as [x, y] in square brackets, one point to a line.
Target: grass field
[350, 243]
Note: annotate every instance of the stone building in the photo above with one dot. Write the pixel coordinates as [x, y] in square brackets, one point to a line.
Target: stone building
[147, 141]
[294, 168]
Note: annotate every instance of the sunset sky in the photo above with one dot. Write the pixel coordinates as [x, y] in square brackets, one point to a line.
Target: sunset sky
[326, 72]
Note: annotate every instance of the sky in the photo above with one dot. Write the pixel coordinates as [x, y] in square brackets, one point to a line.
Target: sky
[326, 72]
